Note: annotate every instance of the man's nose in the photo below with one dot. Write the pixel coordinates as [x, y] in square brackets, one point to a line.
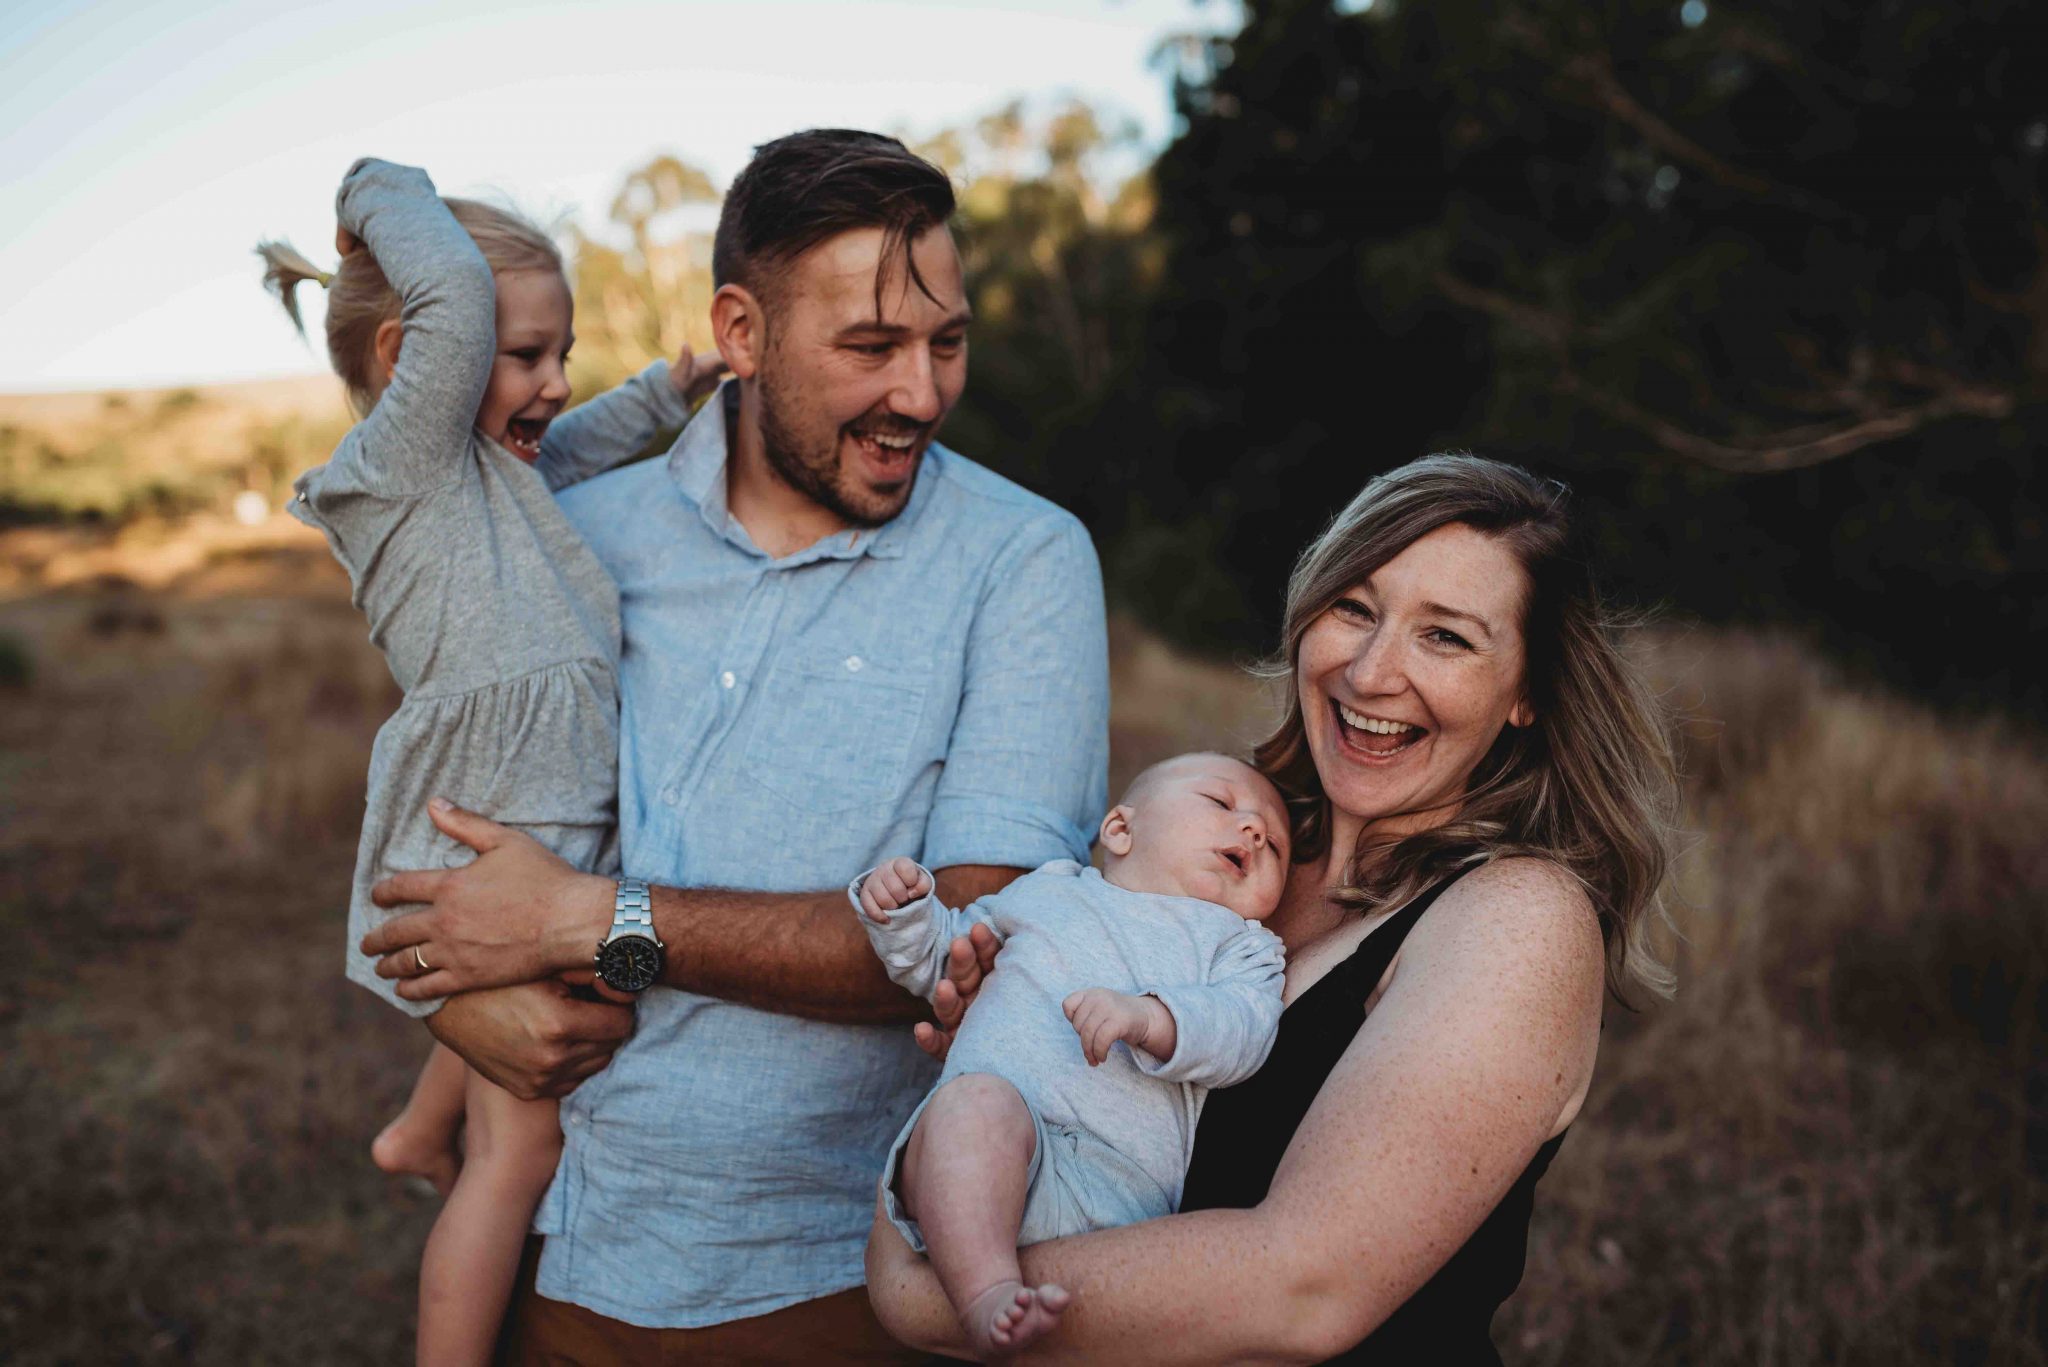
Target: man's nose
[916, 395]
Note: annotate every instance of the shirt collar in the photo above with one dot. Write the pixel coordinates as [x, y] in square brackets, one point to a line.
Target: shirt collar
[697, 465]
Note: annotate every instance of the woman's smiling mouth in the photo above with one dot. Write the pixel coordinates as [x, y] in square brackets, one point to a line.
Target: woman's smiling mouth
[1376, 737]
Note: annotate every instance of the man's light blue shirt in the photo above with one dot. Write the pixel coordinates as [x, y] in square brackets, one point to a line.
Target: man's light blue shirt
[936, 687]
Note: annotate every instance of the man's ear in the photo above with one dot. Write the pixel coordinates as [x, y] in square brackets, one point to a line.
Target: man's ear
[390, 336]
[1521, 714]
[739, 329]
[1116, 831]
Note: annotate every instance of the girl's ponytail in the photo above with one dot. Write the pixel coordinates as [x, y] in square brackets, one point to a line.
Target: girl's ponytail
[284, 268]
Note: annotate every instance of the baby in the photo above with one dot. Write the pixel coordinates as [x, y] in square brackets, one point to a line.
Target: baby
[1040, 1125]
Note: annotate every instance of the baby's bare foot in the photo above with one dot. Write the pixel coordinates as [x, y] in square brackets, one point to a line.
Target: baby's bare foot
[408, 1149]
[1009, 1315]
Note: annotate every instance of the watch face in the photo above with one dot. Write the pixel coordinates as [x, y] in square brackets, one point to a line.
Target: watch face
[631, 963]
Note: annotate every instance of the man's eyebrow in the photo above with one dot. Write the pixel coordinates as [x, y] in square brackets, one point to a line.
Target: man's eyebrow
[873, 327]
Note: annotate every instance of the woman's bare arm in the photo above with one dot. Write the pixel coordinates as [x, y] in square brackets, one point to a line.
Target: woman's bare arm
[1479, 1050]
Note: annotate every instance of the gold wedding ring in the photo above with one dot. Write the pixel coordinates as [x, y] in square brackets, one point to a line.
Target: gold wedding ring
[420, 959]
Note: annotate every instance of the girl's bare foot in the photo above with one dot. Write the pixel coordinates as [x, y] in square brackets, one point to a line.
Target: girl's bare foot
[407, 1148]
[1009, 1315]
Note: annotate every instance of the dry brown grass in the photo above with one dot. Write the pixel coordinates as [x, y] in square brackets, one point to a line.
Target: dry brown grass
[1831, 1148]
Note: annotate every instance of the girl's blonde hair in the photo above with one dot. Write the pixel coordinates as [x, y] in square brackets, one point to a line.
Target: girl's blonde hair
[1591, 786]
[359, 299]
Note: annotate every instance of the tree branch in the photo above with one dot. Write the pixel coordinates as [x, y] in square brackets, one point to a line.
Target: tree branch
[1794, 448]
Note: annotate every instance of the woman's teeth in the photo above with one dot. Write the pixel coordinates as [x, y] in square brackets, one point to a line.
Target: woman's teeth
[1375, 725]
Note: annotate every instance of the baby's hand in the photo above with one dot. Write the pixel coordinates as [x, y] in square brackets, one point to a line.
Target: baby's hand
[695, 376]
[895, 884]
[1101, 1017]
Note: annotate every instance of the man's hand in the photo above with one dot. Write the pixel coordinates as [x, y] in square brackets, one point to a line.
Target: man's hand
[1101, 1017]
[517, 914]
[969, 961]
[695, 376]
[534, 1040]
[893, 885]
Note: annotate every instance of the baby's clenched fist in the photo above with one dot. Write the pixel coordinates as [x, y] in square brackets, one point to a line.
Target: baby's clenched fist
[1101, 1017]
[896, 883]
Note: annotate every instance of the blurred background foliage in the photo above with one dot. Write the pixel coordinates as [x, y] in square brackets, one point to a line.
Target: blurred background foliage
[1766, 284]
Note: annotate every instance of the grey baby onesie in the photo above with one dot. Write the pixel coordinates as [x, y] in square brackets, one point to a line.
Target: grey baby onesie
[1113, 1141]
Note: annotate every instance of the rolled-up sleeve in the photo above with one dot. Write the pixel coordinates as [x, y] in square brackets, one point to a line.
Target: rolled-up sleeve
[1027, 769]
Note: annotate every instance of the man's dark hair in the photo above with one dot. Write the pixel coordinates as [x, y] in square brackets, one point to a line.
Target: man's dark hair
[801, 189]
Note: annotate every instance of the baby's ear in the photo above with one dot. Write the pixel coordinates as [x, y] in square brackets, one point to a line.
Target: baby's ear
[1116, 831]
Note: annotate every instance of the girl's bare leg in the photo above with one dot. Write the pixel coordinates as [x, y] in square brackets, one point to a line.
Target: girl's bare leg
[965, 1175]
[420, 1142]
[473, 1253]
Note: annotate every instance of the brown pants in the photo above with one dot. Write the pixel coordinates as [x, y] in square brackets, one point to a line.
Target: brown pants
[543, 1333]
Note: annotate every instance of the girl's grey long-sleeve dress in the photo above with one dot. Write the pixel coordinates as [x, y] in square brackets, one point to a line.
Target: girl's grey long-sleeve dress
[495, 618]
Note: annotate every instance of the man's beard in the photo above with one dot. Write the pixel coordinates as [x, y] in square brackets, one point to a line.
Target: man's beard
[817, 474]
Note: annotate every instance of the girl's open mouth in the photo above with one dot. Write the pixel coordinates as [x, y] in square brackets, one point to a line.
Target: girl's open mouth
[1379, 737]
[522, 437]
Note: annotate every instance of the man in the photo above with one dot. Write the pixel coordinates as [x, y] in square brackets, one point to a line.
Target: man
[842, 640]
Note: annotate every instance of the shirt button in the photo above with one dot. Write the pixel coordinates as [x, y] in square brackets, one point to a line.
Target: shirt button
[853, 663]
[726, 679]
[576, 1119]
[671, 796]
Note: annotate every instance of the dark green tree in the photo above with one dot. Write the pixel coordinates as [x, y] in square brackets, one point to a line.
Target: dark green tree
[1768, 284]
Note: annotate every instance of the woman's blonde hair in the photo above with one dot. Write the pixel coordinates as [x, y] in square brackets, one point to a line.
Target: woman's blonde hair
[1591, 786]
[360, 300]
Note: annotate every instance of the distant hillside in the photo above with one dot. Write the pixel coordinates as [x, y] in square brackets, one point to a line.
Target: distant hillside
[116, 454]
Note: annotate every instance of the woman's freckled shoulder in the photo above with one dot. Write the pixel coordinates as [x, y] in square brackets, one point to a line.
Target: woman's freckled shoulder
[1521, 905]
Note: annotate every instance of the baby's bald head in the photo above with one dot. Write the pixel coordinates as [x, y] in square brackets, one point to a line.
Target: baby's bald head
[1201, 825]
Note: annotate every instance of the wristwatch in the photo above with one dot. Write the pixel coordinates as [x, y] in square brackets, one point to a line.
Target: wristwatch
[630, 958]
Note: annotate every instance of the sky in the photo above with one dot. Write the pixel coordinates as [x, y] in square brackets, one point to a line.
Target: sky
[146, 147]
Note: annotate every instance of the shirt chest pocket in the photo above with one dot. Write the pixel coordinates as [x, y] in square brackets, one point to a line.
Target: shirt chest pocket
[832, 730]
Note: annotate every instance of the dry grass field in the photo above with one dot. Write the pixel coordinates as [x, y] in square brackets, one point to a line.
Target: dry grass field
[1832, 1148]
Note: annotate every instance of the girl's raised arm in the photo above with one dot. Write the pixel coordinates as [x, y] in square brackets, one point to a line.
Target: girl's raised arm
[416, 436]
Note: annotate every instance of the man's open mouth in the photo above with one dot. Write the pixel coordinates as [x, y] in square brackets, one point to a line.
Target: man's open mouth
[1382, 737]
[891, 450]
[522, 437]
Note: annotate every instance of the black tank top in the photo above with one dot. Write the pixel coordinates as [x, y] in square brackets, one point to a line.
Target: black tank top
[1245, 1129]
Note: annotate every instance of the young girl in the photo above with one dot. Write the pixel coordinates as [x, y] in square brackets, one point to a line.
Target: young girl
[449, 321]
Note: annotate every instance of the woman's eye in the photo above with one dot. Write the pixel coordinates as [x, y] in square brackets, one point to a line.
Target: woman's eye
[1450, 638]
[1351, 607]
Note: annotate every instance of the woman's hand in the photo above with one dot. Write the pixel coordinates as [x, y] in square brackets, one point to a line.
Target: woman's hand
[969, 961]
[517, 914]
[695, 376]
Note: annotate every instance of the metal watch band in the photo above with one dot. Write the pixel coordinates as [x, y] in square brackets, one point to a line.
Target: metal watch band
[632, 909]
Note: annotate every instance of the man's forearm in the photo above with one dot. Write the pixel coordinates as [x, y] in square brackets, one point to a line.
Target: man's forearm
[799, 953]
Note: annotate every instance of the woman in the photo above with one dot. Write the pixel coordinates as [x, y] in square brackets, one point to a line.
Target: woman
[1480, 789]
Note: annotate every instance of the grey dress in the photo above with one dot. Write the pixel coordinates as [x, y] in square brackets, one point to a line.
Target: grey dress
[495, 618]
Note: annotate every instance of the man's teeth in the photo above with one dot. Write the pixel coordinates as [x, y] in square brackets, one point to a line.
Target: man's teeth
[1373, 724]
[897, 443]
